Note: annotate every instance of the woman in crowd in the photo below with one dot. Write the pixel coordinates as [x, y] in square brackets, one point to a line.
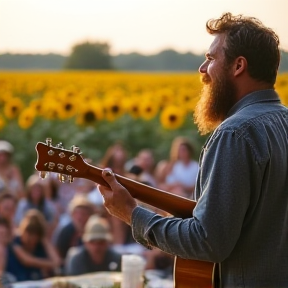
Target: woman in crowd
[8, 205]
[178, 174]
[146, 161]
[31, 256]
[35, 199]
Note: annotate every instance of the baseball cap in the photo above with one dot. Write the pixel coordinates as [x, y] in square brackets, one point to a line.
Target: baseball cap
[5, 146]
[97, 228]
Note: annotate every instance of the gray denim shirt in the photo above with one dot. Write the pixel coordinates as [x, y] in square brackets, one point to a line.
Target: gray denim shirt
[241, 217]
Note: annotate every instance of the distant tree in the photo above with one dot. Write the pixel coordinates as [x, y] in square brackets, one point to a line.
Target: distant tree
[89, 56]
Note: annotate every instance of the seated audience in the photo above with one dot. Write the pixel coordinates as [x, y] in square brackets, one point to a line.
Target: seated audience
[96, 253]
[31, 256]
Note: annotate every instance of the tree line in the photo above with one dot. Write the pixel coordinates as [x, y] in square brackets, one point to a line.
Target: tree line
[97, 56]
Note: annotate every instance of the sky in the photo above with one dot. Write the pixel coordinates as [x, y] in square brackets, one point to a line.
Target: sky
[144, 26]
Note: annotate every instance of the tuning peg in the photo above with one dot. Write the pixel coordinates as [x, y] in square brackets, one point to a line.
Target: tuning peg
[76, 149]
[43, 174]
[62, 178]
[70, 179]
[60, 145]
[49, 141]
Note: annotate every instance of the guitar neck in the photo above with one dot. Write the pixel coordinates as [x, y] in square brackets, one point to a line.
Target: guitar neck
[171, 203]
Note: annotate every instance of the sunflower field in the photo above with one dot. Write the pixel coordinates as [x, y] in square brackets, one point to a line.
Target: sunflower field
[93, 110]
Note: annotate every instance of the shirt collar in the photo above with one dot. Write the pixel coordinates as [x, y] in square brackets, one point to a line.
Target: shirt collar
[268, 95]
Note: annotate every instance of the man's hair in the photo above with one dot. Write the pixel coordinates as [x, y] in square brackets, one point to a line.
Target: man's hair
[248, 37]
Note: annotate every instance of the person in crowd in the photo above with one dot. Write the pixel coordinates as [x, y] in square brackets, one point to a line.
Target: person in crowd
[96, 253]
[31, 255]
[35, 198]
[178, 174]
[240, 219]
[51, 194]
[158, 260]
[8, 204]
[70, 234]
[5, 237]
[116, 156]
[10, 173]
[146, 161]
[64, 192]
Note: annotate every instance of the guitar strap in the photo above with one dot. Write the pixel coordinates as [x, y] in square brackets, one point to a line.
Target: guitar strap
[216, 276]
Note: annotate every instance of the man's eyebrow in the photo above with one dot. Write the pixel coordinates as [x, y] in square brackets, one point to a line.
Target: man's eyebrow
[210, 54]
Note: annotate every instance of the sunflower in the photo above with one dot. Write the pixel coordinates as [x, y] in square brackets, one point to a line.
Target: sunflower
[131, 106]
[68, 92]
[26, 118]
[13, 107]
[148, 109]
[172, 117]
[283, 94]
[165, 96]
[187, 99]
[5, 97]
[36, 104]
[113, 108]
[67, 108]
[50, 110]
[2, 123]
[90, 114]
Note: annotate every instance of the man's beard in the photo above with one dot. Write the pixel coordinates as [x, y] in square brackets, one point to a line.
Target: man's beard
[216, 99]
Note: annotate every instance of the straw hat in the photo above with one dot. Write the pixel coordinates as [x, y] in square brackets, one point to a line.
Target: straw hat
[97, 228]
[80, 200]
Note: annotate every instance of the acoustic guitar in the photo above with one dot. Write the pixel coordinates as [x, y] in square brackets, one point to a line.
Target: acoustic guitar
[69, 164]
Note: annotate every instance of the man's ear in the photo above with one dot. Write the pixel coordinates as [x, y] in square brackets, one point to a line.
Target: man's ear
[240, 65]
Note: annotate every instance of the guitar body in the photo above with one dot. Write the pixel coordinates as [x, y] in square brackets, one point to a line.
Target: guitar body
[192, 273]
[69, 164]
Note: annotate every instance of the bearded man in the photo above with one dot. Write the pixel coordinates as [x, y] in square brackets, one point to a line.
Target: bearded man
[240, 221]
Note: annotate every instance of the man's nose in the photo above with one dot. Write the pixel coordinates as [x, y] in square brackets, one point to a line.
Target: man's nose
[203, 67]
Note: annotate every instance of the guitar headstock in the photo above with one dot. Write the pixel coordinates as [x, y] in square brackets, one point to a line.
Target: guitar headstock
[67, 163]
